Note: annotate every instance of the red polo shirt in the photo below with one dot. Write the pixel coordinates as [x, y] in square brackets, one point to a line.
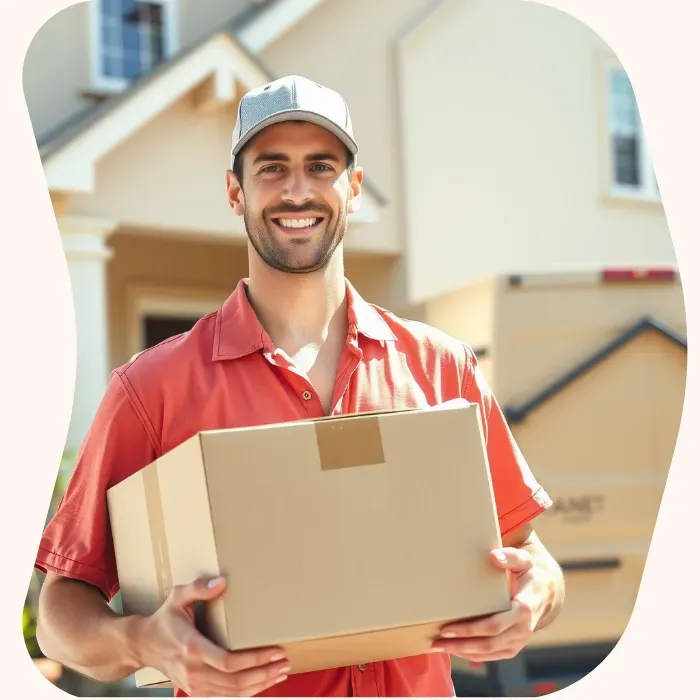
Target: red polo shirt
[227, 373]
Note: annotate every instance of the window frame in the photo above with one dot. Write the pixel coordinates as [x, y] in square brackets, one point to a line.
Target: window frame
[110, 84]
[648, 190]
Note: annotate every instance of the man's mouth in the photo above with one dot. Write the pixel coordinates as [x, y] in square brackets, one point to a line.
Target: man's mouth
[298, 225]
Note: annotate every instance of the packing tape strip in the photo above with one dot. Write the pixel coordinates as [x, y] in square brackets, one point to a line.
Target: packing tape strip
[159, 540]
[351, 442]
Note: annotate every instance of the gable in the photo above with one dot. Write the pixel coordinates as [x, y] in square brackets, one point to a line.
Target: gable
[519, 413]
[218, 68]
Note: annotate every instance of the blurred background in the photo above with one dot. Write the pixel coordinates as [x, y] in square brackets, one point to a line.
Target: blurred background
[510, 200]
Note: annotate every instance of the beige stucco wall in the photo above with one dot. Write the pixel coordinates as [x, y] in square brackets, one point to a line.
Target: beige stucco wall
[469, 315]
[542, 333]
[53, 87]
[610, 435]
[501, 116]
[170, 174]
[170, 267]
[198, 18]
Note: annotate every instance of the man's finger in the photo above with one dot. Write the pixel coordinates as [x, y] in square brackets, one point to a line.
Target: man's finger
[199, 590]
[262, 675]
[233, 661]
[496, 656]
[246, 682]
[512, 559]
[473, 647]
[198, 648]
[488, 626]
[239, 661]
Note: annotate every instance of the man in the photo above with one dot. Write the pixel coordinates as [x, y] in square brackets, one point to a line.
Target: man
[293, 341]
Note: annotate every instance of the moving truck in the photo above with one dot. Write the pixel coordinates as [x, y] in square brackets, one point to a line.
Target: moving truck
[590, 370]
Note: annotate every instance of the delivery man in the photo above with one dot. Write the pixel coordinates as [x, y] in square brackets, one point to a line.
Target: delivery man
[294, 340]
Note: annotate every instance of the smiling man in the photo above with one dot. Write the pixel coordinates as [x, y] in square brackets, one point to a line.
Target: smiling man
[294, 340]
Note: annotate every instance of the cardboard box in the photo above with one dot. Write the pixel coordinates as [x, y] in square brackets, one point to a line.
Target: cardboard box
[345, 540]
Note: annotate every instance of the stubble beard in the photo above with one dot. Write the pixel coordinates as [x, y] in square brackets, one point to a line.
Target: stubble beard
[281, 259]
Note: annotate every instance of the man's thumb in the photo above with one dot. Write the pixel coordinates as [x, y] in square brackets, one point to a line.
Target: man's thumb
[512, 559]
[199, 590]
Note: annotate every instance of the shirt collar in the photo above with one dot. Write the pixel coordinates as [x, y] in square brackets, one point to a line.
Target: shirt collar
[238, 331]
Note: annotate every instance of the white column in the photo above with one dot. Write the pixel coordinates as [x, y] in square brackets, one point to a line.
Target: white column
[84, 243]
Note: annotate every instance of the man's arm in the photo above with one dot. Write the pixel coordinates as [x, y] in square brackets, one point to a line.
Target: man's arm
[77, 628]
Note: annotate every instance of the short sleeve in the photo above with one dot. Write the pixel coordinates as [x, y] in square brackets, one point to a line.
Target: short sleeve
[77, 542]
[519, 497]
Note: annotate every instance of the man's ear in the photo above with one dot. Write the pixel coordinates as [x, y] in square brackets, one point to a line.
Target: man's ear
[355, 190]
[234, 190]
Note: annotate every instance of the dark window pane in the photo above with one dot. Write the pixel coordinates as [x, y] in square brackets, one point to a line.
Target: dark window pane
[129, 9]
[111, 7]
[132, 67]
[112, 67]
[131, 40]
[626, 159]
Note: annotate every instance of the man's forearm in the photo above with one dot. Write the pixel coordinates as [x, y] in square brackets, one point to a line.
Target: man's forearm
[77, 628]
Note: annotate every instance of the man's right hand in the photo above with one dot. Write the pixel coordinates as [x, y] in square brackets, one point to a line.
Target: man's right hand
[169, 641]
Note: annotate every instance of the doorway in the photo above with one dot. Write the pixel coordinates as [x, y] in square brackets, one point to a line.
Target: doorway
[157, 328]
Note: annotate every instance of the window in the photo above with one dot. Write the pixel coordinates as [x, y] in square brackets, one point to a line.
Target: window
[632, 172]
[130, 38]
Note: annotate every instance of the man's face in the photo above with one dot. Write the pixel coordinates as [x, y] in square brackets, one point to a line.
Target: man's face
[295, 196]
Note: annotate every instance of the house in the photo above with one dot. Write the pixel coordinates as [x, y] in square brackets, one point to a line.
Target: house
[496, 136]
[590, 369]
[501, 144]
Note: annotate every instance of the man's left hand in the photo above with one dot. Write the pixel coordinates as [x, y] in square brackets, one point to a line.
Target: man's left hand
[504, 635]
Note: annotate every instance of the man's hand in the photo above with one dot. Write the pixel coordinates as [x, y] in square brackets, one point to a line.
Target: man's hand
[537, 595]
[169, 641]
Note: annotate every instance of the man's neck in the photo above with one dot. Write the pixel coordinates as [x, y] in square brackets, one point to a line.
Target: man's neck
[299, 310]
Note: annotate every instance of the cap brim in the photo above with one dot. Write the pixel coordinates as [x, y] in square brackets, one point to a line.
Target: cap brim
[297, 115]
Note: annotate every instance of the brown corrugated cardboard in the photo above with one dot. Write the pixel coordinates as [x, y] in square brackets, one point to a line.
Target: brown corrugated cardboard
[345, 540]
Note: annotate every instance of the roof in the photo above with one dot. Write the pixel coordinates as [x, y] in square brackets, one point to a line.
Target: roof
[64, 132]
[517, 414]
[53, 141]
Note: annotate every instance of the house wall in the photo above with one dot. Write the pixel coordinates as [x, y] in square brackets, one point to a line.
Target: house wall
[607, 440]
[540, 333]
[53, 89]
[504, 136]
[468, 314]
[156, 267]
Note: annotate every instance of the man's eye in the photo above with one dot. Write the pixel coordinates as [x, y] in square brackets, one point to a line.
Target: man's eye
[270, 169]
[322, 166]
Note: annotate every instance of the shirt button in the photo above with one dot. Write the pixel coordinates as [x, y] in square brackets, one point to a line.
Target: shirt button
[306, 395]
[362, 667]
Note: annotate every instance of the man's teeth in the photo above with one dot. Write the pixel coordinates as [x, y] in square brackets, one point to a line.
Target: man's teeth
[298, 223]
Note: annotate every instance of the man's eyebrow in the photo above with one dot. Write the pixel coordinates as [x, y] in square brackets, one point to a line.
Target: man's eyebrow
[267, 157]
[323, 156]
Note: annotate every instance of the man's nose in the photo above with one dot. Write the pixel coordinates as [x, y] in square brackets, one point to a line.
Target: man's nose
[298, 188]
